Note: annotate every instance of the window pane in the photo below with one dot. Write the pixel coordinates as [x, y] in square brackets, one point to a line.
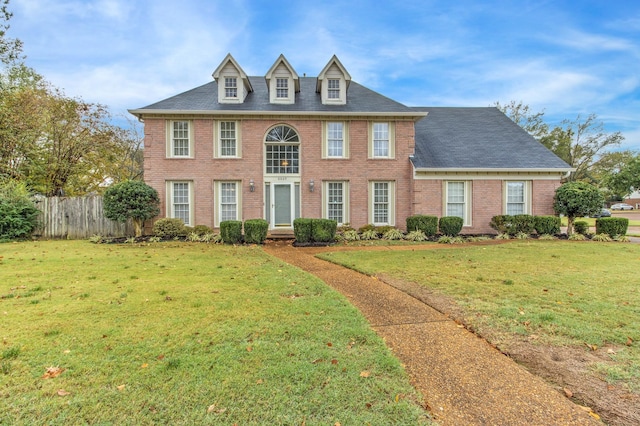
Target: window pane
[515, 198]
[228, 201]
[181, 201]
[455, 199]
[228, 139]
[180, 138]
[282, 159]
[335, 201]
[282, 87]
[380, 202]
[335, 139]
[333, 88]
[231, 87]
[381, 139]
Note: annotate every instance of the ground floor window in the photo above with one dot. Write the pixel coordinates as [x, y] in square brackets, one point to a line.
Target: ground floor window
[517, 197]
[457, 196]
[227, 199]
[382, 203]
[335, 195]
[180, 201]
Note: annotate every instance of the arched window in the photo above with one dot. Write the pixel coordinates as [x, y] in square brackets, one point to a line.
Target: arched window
[282, 150]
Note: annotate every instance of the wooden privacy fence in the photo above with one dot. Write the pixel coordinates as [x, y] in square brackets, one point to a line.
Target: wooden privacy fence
[77, 218]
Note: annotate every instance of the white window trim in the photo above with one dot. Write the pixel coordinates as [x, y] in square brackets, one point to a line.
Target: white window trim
[467, 221]
[217, 185]
[345, 140]
[224, 79]
[527, 195]
[392, 203]
[170, 205]
[345, 200]
[169, 142]
[273, 90]
[392, 141]
[342, 97]
[217, 136]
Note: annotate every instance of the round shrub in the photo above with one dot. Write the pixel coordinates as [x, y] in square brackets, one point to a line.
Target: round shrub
[255, 231]
[503, 223]
[581, 227]
[131, 199]
[169, 228]
[424, 223]
[450, 225]
[231, 231]
[202, 230]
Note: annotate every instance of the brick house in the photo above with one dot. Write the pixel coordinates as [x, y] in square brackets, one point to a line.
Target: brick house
[281, 146]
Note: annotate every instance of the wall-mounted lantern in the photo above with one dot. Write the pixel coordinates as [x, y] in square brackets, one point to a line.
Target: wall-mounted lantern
[312, 185]
[252, 185]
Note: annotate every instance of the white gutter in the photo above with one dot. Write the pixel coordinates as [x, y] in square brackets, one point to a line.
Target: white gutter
[416, 115]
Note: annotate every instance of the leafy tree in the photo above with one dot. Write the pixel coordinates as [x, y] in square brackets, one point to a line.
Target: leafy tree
[10, 49]
[523, 116]
[626, 179]
[18, 213]
[581, 143]
[132, 199]
[577, 199]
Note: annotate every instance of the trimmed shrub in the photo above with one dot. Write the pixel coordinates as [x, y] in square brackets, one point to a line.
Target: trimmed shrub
[365, 228]
[612, 226]
[323, 230]
[255, 231]
[581, 227]
[302, 230]
[450, 225]
[381, 230]
[231, 231]
[503, 223]
[549, 225]
[169, 228]
[18, 213]
[131, 199]
[524, 223]
[424, 223]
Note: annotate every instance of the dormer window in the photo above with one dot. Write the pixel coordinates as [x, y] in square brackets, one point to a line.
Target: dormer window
[282, 88]
[230, 87]
[333, 88]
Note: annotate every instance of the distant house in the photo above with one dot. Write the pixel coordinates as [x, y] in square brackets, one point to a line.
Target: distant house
[281, 146]
[633, 199]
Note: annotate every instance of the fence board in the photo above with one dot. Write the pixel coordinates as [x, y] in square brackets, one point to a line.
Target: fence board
[77, 218]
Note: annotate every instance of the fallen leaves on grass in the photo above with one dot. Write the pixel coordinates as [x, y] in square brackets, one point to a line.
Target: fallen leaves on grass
[365, 373]
[52, 372]
[213, 409]
[592, 347]
[629, 341]
[62, 392]
[121, 387]
[568, 392]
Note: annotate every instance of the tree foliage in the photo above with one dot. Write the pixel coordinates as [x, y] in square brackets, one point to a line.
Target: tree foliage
[577, 199]
[132, 199]
[627, 179]
[523, 116]
[18, 213]
[10, 49]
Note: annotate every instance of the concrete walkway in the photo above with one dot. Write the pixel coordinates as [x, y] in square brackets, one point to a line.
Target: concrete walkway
[463, 379]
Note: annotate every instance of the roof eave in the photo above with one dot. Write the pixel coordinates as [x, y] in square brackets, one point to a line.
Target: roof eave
[415, 115]
[493, 169]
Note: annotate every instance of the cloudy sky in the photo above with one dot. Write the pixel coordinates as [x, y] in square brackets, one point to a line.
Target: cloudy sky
[563, 57]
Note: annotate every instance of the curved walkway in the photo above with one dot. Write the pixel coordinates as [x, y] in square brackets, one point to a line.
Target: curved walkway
[463, 379]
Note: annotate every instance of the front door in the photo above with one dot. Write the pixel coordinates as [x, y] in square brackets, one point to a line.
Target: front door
[282, 205]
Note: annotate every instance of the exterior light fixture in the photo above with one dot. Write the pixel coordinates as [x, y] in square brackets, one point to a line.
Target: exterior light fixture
[312, 185]
[252, 185]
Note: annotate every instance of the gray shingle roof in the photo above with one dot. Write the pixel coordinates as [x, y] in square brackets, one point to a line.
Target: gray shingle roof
[477, 138]
[205, 98]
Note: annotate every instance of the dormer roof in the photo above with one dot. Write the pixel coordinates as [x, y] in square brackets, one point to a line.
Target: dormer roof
[333, 62]
[230, 76]
[276, 66]
[229, 59]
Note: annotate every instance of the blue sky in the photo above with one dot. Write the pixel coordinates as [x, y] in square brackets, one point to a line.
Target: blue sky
[564, 57]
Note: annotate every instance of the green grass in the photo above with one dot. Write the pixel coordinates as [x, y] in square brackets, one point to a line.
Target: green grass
[556, 292]
[181, 333]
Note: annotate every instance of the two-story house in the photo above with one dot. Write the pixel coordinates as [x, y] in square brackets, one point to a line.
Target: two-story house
[281, 146]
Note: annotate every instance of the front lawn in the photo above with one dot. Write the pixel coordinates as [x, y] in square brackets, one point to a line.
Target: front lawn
[185, 333]
[551, 292]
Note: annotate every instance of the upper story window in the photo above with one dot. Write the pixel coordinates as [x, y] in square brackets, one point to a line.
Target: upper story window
[230, 87]
[179, 139]
[282, 146]
[282, 88]
[228, 141]
[335, 140]
[333, 88]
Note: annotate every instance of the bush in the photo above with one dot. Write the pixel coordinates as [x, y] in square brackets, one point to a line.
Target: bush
[502, 223]
[369, 234]
[581, 227]
[450, 225]
[351, 235]
[426, 224]
[366, 228]
[169, 228]
[381, 230]
[393, 234]
[612, 226]
[202, 230]
[18, 213]
[302, 230]
[415, 236]
[255, 231]
[549, 225]
[524, 223]
[231, 231]
[323, 230]
[131, 199]
[577, 237]
[602, 238]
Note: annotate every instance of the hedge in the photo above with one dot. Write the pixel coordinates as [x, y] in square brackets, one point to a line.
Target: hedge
[231, 231]
[255, 231]
[424, 223]
[169, 228]
[547, 225]
[450, 225]
[612, 226]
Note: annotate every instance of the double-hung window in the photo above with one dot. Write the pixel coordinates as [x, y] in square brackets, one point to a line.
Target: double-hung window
[180, 201]
[336, 203]
[227, 201]
[516, 196]
[335, 140]
[457, 200]
[228, 145]
[333, 88]
[381, 140]
[230, 87]
[282, 88]
[180, 139]
[382, 203]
